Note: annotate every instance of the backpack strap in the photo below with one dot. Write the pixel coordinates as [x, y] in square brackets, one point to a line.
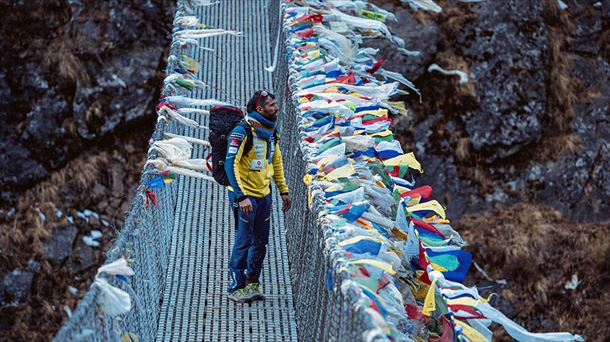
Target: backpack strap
[250, 137]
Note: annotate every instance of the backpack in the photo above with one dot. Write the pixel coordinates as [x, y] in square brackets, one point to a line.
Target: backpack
[222, 121]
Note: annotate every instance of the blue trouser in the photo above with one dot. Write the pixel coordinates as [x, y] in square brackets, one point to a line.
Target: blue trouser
[250, 244]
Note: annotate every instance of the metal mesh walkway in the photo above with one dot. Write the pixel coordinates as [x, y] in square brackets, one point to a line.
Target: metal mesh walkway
[195, 306]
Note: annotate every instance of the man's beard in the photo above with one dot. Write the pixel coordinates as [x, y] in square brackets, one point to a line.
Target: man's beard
[271, 116]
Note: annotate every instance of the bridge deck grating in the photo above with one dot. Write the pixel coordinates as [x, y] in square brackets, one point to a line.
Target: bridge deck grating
[195, 306]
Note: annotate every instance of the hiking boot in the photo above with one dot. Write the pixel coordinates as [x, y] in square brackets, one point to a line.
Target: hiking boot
[240, 296]
[253, 292]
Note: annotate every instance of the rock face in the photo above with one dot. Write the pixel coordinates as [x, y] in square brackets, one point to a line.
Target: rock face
[59, 246]
[511, 54]
[75, 73]
[16, 287]
[83, 258]
[77, 83]
[532, 122]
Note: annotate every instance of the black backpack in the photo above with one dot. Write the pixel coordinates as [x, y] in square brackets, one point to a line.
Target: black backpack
[222, 121]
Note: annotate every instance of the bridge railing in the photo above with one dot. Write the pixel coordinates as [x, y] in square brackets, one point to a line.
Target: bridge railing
[144, 241]
[324, 312]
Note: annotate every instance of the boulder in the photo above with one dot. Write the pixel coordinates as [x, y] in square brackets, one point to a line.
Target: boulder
[493, 140]
[506, 48]
[83, 258]
[59, 245]
[77, 72]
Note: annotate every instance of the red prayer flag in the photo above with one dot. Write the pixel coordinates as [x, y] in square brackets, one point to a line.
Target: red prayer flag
[305, 33]
[423, 192]
[423, 262]
[427, 226]
[375, 66]
[166, 104]
[314, 18]
[347, 79]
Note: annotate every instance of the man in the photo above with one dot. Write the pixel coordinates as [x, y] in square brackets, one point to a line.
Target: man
[250, 165]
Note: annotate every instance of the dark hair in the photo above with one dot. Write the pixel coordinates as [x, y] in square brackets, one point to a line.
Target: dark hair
[251, 106]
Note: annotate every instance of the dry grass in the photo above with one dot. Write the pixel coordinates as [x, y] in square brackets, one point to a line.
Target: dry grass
[59, 59]
[48, 34]
[60, 55]
[560, 93]
[462, 149]
[22, 237]
[564, 144]
[27, 229]
[561, 96]
[538, 251]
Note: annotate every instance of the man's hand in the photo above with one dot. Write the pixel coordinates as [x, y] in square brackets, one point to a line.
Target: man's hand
[287, 202]
[245, 206]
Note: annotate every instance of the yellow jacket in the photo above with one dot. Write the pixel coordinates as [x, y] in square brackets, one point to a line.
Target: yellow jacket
[250, 173]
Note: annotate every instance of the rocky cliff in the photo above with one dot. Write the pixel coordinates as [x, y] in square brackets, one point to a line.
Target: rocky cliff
[520, 151]
[78, 83]
[71, 72]
[530, 124]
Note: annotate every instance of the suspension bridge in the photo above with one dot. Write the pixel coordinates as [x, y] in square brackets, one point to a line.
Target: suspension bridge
[177, 238]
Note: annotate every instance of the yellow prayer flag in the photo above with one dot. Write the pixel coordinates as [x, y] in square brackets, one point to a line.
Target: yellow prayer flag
[307, 179]
[430, 302]
[468, 301]
[313, 54]
[470, 333]
[322, 162]
[401, 189]
[341, 172]
[399, 106]
[190, 63]
[418, 288]
[431, 205]
[382, 113]
[129, 337]
[438, 267]
[309, 198]
[407, 159]
[431, 219]
[332, 90]
[382, 133]
[414, 201]
[331, 132]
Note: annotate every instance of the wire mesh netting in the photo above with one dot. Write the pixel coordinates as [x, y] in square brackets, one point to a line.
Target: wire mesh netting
[323, 311]
[144, 240]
